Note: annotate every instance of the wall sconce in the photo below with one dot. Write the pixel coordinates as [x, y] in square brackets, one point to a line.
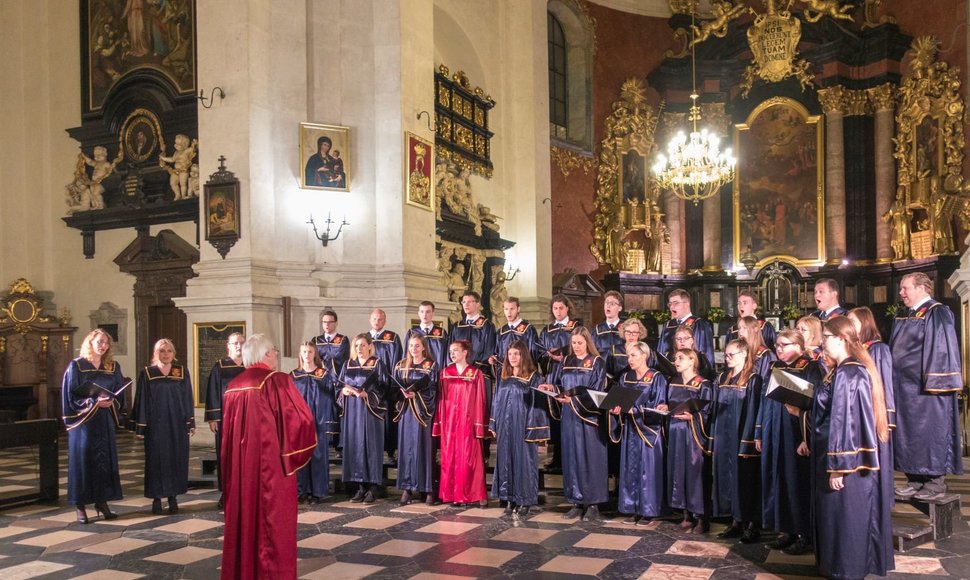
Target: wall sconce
[511, 273]
[430, 127]
[325, 238]
[207, 103]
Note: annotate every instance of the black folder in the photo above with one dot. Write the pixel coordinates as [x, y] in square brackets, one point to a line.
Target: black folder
[619, 396]
[688, 406]
[665, 366]
[92, 390]
[788, 388]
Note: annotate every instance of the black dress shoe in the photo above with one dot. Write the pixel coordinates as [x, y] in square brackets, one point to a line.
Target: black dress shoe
[750, 536]
[632, 520]
[523, 511]
[406, 497]
[157, 506]
[173, 505]
[359, 496]
[908, 491]
[592, 514]
[82, 516]
[574, 512]
[429, 498]
[509, 508]
[369, 496]
[105, 511]
[701, 527]
[801, 546]
[221, 504]
[929, 494]
[732, 531]
[457, 505]
[302, 498]
[782, 542]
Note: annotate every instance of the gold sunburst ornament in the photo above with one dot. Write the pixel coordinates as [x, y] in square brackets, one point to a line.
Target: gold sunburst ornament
[694, 167]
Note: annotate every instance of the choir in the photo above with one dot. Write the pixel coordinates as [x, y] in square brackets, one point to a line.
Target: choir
[734, 445]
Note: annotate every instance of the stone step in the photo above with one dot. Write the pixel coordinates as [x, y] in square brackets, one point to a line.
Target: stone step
[906, 537]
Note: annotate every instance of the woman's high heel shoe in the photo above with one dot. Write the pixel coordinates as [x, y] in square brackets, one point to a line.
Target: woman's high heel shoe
[157, 506]
[103, 509]
[82, 516]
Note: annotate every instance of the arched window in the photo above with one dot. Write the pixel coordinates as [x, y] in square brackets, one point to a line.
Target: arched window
[572, 41]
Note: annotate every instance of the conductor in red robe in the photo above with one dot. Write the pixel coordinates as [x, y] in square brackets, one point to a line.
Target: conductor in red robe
[267, 435]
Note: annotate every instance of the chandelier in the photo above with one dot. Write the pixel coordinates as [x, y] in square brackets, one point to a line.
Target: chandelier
[694, 168]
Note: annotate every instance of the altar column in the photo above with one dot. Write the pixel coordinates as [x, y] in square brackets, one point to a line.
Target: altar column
[833, 105]
[883, 104]
[675, 223]
[712, 233]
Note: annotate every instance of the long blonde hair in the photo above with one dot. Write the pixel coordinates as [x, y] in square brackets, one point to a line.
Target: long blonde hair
[158, 345]
[87, 350]
[843, 328]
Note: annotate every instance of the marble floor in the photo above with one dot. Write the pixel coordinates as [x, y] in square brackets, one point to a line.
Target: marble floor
[338, 539]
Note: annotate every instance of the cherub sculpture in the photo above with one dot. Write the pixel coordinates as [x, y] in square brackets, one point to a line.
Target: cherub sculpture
[816, 9]
[181, 161]
[724, 12]
[85, 192]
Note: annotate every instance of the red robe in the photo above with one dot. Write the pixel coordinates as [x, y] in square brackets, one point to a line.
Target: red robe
[267, 435]
[461, 422]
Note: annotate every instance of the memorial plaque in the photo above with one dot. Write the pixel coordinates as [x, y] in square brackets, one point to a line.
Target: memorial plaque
[210, 340]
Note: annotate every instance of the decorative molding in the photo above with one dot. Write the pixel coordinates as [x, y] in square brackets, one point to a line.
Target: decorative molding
[871, 19]
[589, 23]
[567, 160]
[857, 103]
[462, 132]
[832, 99]
[883, 97]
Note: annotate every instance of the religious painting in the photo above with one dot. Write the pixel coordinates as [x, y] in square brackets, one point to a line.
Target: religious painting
[209, 342]
[325, 157]
[418, 184]
[221, 203]
[122, 37]
[779, 185]
[141, 136]
[633, 176]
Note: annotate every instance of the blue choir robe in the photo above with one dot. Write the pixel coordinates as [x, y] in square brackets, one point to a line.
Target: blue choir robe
[222, 373]
[437, 340]
[554, 336]
[839, 311]
[506, 335]
[333, 353]
[163, 414]
[735, 463]
[481, 335]
[320, 393]
[763, 361]
[703, 337]
[883, 359]
[768, 333]
[688, 443]
[92, 454]
[584, 464]
[362, 420]
[847, 545]
[387, 348]
[519, 421]
[415, 459]
[640, 435]
[605, 338]
[927, 379]
[785, 475]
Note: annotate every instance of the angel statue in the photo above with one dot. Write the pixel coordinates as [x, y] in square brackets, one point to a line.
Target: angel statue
[816, 9]
[724, 12]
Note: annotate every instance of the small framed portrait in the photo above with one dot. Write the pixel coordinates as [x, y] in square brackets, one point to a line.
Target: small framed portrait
[141, 136]
[325, 157]
[222, 228]
[418, 182]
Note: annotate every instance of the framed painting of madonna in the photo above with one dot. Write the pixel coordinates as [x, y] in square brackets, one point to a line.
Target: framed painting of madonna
[779, 184]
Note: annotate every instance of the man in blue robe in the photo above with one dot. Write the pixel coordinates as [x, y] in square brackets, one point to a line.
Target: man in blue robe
[222, 373]
[926, 376]
[332, 347]
[827, 300]
[607, 334]
[388, 349]
[748, 306]
[434, 336]
[678, 302]
[514, 329]
[479, 332]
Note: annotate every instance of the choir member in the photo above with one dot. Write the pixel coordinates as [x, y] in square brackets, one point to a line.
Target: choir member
[850, 424]
[461, 421]
[926, 375]
[91, 418]
[633, 332]
[164, 416]
[387, 348]
[515, 329]
[332, 347]
[478, 331]
[316, 384]
[810, 327]
[519, 422]
[678, 302]
[761, 357]
[827, 300]
[786, 475]
[606, 335]
[268, 434]
[688, 442]
[417, 378]
[584, 463]
[684, 338]
[736, 464]
[435, 337]
[748, 306]
[221, 374]
[554, 344]
[363, 400]
[640, 434]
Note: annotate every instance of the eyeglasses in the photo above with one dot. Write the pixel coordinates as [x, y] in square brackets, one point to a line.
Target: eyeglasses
[675, 302]
[612, 303]
[828, 335]
[633, 332]
[780, 344]
[731, 354]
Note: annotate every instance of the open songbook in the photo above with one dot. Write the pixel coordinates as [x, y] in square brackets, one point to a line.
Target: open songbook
[688, 406]
[664, 365]
[414, 387]
[92, 390]
[787, 388]
[617, 396]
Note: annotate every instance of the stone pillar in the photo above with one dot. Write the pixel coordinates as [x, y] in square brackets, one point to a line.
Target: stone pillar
[673, 207]
[712, 233]
[833, 105]
[884, 104]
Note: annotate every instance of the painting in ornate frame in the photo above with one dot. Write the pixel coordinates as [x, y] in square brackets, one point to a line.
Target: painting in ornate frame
[325, 157]
[418, 178]
[779, 185]
[141, 136]
[209, 343]
[632, 176]
[115, 43]
[221, 207]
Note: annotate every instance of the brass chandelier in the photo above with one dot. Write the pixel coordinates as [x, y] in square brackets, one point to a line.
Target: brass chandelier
[694, 168]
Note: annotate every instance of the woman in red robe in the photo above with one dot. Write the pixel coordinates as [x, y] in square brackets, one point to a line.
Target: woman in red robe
[461, 422]
[268, 433]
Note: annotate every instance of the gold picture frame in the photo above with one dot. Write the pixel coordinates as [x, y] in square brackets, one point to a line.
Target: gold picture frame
[209, 347]
[779, 185]
[418, 171]
[325, 169]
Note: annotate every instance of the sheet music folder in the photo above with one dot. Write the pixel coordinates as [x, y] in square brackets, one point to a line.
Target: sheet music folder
[688, 406]
[787, 388]
[92, 390]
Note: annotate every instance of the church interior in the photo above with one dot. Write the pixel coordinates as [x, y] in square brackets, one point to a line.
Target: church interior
[227, 166]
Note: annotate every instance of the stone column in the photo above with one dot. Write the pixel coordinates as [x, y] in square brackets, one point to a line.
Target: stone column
[675, 223]
[833, 105]
[884, 103]
[712, 234]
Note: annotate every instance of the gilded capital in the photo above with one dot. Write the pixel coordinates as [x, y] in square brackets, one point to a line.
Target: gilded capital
[883, 97]
[856, 103]
[832, 99]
